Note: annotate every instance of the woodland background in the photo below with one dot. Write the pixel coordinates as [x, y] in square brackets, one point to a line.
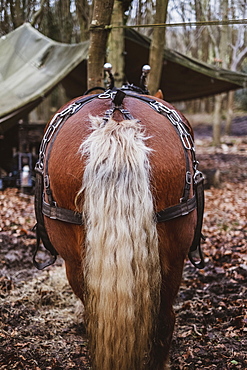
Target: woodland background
[224, 46]
[40, 325]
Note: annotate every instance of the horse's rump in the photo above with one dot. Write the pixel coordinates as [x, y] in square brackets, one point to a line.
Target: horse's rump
[124, 172]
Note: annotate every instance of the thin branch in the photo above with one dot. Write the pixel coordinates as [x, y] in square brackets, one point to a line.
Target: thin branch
[37, 14]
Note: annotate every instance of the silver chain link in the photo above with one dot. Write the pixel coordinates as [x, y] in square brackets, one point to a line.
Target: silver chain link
[52, 128]
[176, 120]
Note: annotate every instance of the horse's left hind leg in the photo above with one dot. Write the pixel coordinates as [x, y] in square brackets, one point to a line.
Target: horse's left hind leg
[67, 239]
[74, 275]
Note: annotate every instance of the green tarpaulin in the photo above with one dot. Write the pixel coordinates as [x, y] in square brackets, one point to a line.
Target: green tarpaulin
[183, 78]
[31, 65]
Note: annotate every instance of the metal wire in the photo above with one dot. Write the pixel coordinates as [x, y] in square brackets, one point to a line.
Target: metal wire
[180, 24]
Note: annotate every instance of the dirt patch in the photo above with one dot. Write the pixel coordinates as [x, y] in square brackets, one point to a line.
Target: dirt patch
[41, 327]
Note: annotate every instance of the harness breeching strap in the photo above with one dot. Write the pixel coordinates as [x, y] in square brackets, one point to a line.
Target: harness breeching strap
[196, 244]
[42, 181]
[41, 233]
[51, 209]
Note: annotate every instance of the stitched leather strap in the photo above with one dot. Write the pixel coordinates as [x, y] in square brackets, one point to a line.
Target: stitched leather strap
[41, 233]
[195, 249]
[61, 214]
[178, 210]
[67, 215]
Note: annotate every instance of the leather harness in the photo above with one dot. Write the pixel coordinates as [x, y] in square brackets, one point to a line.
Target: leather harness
[51, 209]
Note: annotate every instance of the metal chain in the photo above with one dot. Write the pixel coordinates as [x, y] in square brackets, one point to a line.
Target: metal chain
[185, 136]
[52, 128]
[176, 120]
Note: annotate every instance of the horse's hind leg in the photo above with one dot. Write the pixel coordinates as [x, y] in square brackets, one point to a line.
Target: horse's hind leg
[68, 241]
[159, 356]
[75, 278]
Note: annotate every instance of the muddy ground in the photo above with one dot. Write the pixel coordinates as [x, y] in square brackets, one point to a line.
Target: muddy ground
[41, 324]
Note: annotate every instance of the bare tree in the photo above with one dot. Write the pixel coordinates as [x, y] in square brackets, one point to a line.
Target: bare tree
[142, 12]
[14, 13]
[221, 49]
[239, 53]
[157, 46]
[116, 43]
[38, 14]
[83, 11]
[102, 12]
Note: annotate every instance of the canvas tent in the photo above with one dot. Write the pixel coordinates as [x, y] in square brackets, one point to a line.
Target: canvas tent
[31, 65]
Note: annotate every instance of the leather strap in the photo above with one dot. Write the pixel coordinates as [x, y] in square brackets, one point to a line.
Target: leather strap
[199, 192]
[42, 265]
[61, 214]
[67, 215]
[41, 233]
[178, 210]
[195, 249]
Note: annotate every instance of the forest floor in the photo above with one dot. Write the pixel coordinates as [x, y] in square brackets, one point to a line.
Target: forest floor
[41, 325]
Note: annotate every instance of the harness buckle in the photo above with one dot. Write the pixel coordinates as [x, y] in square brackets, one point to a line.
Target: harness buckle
[185, 210]
[53, 211]
[198, 177]
[107, 94]
[188, 178]
[46, 181]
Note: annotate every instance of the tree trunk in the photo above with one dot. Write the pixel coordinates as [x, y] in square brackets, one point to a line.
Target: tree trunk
[63, 9]
[223, 46]
[239, 53]
[83, 13]
[217, 119]
[116, 44]
[229, 116]
[38, 13]
[16, 13]
[102, 12]
[157, 47]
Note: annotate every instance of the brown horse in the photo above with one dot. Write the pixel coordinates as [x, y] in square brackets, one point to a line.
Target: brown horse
[114, 165]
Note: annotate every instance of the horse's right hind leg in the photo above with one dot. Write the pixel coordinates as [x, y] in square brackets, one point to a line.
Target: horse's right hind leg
[159, 356]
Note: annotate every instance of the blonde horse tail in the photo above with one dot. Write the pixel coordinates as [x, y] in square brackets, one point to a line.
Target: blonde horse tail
[121, 259]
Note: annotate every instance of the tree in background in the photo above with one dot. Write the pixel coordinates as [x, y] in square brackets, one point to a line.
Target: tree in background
[157, 46]
[84, 15]
[102, 12]
[221, 53]
[238, 45]
[62, 20]
[115, 50]
[223, 46]
[69, 20]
